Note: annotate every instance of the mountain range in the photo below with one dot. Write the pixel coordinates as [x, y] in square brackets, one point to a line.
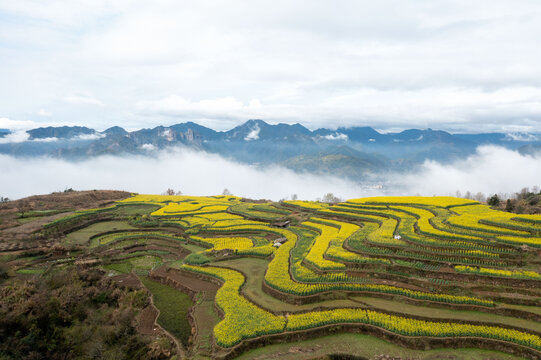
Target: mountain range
[350, 152]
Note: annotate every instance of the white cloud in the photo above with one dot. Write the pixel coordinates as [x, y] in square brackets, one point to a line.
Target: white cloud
[94, 136]
[507, 109]
[186, 170]
[491, 170]
[461, 65]
[79, 99]
[336, 136]
[16, 136]
[253, 134]
[225, 107]
[48, 139]
[44, 113]
[10, 124]
[148, 147]
[522, 137]
[167, 134]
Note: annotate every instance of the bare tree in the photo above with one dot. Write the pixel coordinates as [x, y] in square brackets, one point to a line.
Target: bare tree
[226, 192]
[23, 206]
[330, 198]
[294, 197]
[479, 197]
[169, 192]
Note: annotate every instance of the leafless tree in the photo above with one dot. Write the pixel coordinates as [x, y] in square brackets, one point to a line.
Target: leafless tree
[479, 197]
[23, 206]
[330, 198]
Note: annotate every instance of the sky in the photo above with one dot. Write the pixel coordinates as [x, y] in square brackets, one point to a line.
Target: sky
[462, 66]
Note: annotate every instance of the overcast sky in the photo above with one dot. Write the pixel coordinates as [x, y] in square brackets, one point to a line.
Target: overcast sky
[453, 65]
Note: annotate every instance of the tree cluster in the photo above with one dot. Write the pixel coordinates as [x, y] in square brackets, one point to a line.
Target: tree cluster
[70, 313]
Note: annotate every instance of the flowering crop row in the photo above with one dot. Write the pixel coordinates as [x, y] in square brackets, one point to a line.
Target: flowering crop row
[328, 233]
[517, 274]
[442, 201]
[278, 277]
[220, 243]
[410, 327]
[469, 216]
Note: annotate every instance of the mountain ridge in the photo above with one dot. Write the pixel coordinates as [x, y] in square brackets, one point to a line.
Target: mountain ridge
[344, 151]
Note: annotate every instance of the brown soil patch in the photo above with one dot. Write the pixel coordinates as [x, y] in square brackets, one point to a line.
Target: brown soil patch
[129, 280]
[147, 321]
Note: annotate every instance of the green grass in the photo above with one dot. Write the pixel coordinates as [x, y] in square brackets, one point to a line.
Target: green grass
[206, 318]
[7, 257]
[193, 248]
[532, 309]
[146, 262]
[364, 346]
[83, 236]
[140, 264]
[29, 271]
[37, 214]
[174, 306]
[123, 267]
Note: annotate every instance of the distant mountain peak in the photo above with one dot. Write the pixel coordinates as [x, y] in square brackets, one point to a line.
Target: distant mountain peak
[61, 132]
[115, 131]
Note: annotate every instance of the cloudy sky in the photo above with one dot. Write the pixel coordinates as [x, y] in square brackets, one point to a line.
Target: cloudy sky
[454, 65]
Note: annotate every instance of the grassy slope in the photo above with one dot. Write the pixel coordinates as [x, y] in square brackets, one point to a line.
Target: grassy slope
[364, 346]
[173, 305]
[82, 236]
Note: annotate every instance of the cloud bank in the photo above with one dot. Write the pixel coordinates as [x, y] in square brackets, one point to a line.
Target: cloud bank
[490, 170]
[191, 172]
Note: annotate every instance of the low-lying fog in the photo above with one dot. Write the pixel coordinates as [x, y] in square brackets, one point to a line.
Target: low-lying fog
[491, 170]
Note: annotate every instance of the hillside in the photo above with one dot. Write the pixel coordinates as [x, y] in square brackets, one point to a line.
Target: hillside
[372, 277]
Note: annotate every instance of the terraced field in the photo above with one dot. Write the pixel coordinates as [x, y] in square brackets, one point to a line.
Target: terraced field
[418, 273]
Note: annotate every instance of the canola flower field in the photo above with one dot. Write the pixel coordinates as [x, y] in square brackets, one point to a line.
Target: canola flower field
[434, 252]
